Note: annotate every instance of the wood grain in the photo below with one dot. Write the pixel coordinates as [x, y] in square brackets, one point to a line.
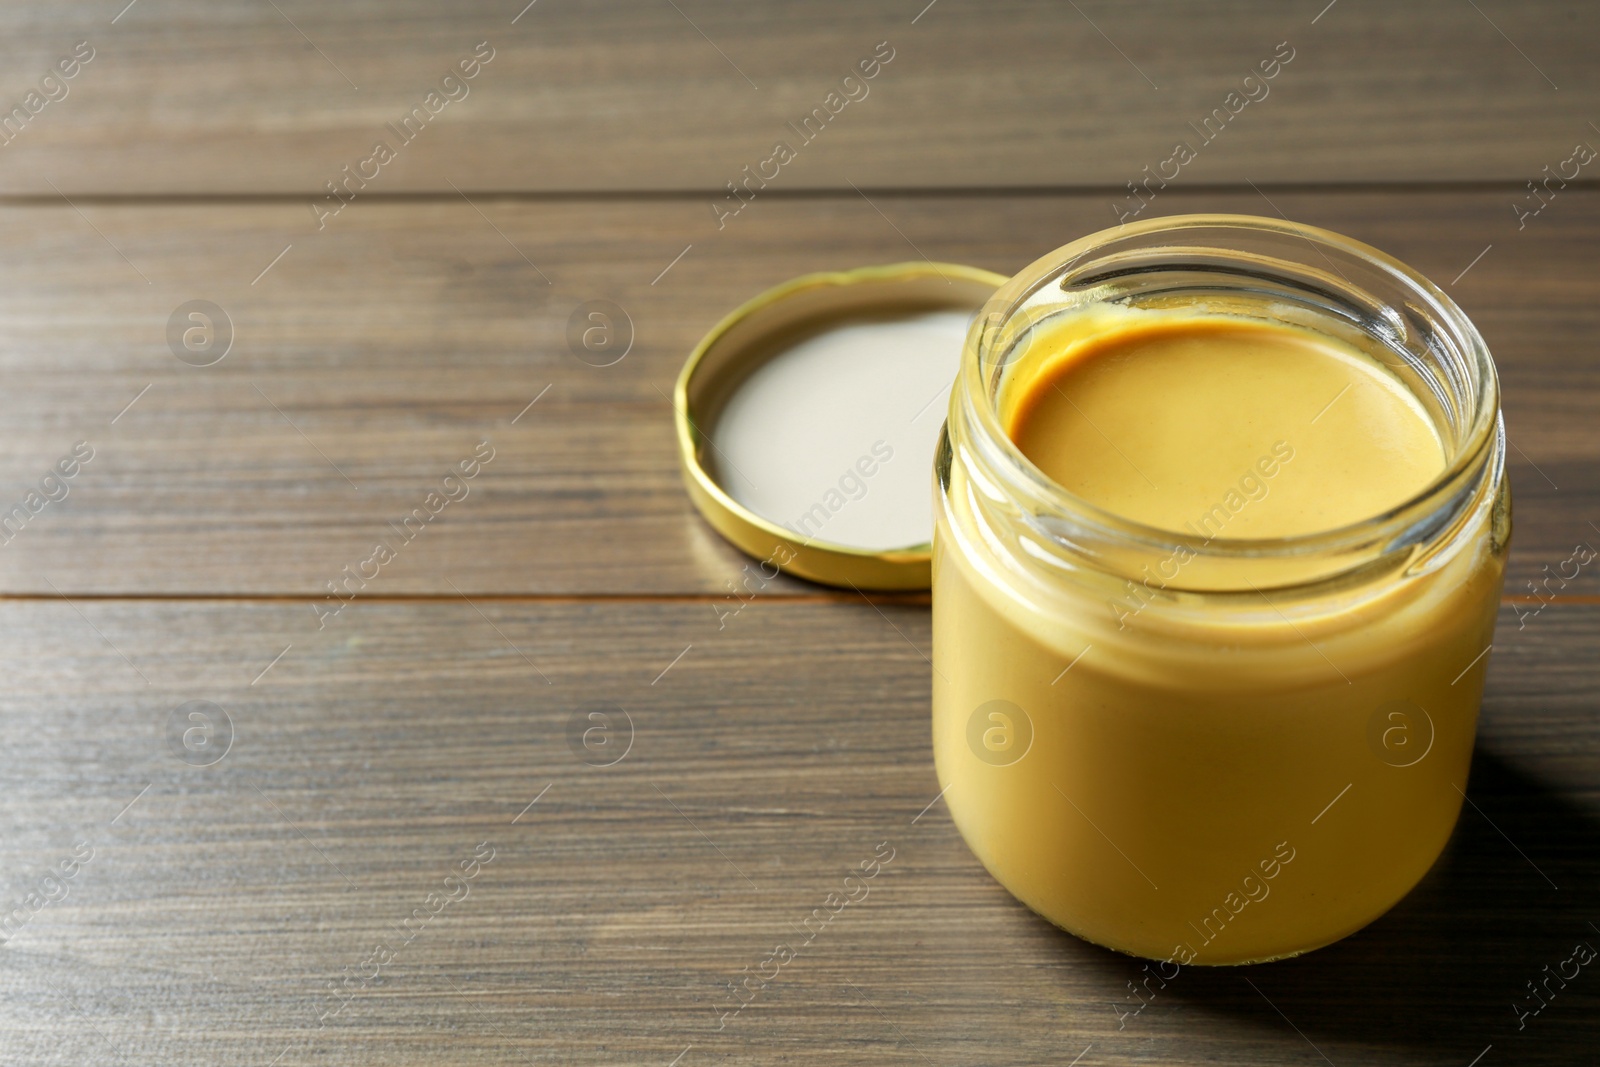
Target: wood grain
[241, 96]
[742, 765]
[373, 356]
[776, 755]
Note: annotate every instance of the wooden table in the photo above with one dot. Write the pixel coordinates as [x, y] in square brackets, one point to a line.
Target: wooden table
[219, 902]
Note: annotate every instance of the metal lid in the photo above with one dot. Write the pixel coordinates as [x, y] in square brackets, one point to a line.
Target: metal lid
[752, 334]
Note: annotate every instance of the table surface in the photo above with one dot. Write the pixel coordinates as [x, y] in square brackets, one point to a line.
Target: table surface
[160, 905]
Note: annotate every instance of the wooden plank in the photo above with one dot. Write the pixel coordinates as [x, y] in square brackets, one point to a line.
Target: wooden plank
[249, 97]
[384, 351]
[368, 763]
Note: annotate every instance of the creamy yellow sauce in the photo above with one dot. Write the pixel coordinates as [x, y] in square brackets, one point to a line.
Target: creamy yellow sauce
[1176, 782]
[1222, 427]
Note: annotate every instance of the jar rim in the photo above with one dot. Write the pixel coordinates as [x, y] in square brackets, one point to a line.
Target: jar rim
[1440, 499]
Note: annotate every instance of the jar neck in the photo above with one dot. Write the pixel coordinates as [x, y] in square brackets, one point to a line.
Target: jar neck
[1313, 278]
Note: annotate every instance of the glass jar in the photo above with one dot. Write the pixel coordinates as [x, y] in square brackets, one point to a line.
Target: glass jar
[1257, 752]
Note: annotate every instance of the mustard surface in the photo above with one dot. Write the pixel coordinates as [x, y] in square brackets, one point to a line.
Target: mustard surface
[1222, 427]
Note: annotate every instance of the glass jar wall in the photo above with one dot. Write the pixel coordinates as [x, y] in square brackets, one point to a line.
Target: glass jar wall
[1208, 749]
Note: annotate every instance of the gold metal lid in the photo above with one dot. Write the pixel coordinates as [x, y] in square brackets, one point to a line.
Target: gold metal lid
[741, 341]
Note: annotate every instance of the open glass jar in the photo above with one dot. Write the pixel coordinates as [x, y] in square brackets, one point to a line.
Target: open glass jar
[1257, 752]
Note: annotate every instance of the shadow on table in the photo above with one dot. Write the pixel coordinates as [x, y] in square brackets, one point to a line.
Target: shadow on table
[1443, 969]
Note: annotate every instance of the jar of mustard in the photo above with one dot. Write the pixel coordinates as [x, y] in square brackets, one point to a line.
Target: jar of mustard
[1221, 524]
